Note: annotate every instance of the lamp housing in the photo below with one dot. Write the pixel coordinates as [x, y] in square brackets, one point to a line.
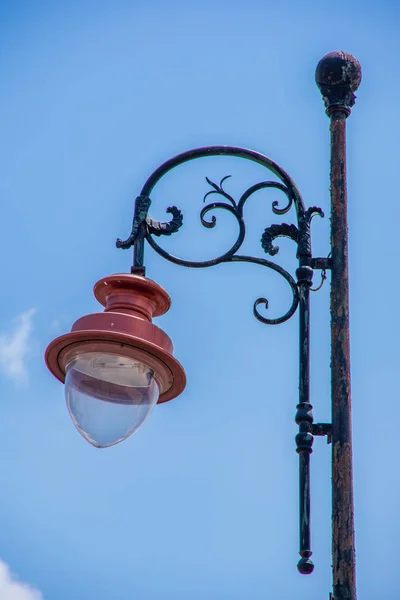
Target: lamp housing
[116, 365]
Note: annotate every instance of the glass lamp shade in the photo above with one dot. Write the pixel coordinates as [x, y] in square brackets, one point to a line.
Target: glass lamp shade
[109, 396]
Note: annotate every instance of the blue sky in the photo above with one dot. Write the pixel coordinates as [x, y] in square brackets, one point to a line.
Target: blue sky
[202, 501]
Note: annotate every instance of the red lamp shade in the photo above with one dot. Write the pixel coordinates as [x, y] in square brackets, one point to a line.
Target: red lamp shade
[116, 365]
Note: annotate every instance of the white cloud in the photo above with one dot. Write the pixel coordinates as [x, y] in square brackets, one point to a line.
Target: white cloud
[12, 589]
[14, 348]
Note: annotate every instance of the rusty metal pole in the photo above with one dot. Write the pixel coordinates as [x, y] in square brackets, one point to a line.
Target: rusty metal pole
[338, 76]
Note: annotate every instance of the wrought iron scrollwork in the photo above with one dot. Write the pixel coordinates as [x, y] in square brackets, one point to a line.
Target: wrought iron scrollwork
[144, 227]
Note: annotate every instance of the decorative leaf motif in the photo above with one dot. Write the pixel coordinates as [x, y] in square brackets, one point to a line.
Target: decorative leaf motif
[304, 244]
[313, 211]
[218, 189]
[223, 179]
[157, 228]
[274, 231]
[214, 185]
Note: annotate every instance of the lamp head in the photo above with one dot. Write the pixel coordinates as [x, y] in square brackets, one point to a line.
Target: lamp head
[117, 365]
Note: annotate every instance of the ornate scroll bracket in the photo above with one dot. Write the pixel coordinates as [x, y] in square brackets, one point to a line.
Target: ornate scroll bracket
[142, 204]
[140, 217]
[145, 229]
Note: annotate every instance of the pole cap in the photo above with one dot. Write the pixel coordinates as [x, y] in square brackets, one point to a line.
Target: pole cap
[338, 76]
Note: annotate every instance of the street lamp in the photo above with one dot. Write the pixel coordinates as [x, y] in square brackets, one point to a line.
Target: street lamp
[117, 364]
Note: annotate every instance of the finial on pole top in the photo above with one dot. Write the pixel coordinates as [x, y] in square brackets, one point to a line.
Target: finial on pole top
[338, 76]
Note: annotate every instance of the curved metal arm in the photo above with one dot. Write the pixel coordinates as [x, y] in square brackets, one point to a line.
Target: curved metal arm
[235, 151]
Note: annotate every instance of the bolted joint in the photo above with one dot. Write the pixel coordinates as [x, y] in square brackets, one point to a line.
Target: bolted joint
[304, 413]
[304, 275]
[323, 429]
[304, 442]
[141, 271]
[324, 264]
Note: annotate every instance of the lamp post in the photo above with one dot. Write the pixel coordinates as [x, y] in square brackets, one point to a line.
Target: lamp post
[117, 365]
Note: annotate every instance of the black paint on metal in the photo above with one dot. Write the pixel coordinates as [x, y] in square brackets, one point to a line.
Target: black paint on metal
[149, 227]
[304, 418]
[142, 223]
[136, 237]
[274, 231]
[324, 264]
[323, 429]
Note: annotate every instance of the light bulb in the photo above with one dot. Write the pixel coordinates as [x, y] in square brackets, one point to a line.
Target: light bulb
[109, 396]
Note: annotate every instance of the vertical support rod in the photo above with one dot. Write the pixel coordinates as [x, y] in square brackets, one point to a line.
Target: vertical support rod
[343, 536]
[142, 204]
[138, 250]
[137, 235]
[304, 418]
[338, 75]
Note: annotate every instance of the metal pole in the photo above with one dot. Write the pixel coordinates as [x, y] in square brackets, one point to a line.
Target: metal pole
[304, 418]
[338, 75]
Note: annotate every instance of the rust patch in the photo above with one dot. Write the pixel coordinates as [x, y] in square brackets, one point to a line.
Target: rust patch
[343, 538]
